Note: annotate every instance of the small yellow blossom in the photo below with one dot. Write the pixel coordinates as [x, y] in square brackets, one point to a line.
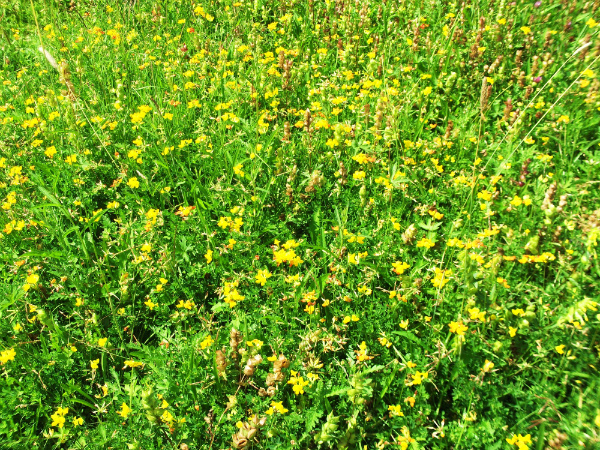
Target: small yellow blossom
[458, 327]
[262, 275]
[487, 366]
[399, 267]
[395, 410]
[7, 355]
[125, 411]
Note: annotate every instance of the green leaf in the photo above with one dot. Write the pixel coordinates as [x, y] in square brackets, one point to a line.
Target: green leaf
[430, 226]
[312, 417]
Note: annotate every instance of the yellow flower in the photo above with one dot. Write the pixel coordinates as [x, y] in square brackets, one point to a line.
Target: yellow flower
[395, 410]
[353, 318]
[526, 30]
[404, 324]
[312, 377]
[133, 183]
[7, 355]
[261, 276]
[33, 278]
[187, 304]
[71, 159]
[520, 441]
[278, 406]
[133, 364]
[150, 304]
[332, 143]
[488, 366]
[208, 256]
[425, 242]
[94, 364]
[560, 349]
[207, 342]
[441, 278]
[125, 411]
[297, 383]
[359, 175]
[57, 420]
[102, 342]
[238, 170]
[384, 342]
[362, 158]
[417, 378]
[146, 248]
[458, 328]
[77, 421]
[400, 267]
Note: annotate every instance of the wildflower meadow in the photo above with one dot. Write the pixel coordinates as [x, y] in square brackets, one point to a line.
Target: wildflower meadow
[285, 224]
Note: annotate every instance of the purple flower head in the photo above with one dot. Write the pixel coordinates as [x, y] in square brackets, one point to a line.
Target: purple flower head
[537, 4]
[537, 79]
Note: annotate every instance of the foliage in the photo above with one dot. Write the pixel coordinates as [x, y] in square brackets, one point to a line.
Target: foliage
[289, 224]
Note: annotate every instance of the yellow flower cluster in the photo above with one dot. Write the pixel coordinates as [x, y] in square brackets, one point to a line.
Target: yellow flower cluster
[234, 225]
[522, 442]
[58, 418]
[543, 258]
[231, 296]
[363, 353]
[7, 355]
[138, 117]
[399, 267]
[458, 328]
[276, 407]
[297, 383]
[417, 378]
[395, 411]
[441, 278]
[262, 275]
[287, 254]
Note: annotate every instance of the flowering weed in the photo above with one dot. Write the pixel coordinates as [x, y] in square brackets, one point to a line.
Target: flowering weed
[291, 224]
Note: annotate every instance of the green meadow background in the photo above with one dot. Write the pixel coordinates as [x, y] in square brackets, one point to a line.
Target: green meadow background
[299, 224]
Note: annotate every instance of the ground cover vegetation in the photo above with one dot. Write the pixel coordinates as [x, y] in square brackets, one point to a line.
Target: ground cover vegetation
[281, 224]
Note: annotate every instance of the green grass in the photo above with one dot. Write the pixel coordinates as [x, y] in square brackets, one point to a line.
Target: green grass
[282, 224]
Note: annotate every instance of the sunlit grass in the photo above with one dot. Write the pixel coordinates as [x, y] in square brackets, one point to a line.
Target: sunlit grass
[299, 225]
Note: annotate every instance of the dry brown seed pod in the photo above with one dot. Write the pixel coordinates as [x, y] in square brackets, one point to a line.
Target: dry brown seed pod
[251, 365]
[221, 361]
